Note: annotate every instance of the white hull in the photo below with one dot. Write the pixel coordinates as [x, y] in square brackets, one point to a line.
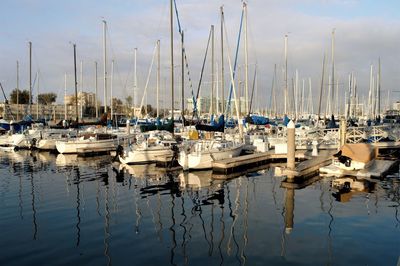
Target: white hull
[86, 146]
[146, 155]
[199, 160]
[46, 144]
[16, 140]
[354, 165]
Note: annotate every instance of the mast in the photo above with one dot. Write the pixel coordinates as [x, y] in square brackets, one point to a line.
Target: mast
[182, 81]
[222, 62]
[65, 95]
[286, 76]
[246, 62]
[76, 87]
[37, 96]
[302, 98]
[172, 61]
[322, 87]
[333, 71]
[95, 89]
[370, 95]
[134, 80]
[105, 64]
[217, 88]
[30, 77]
[17, 90]
[111, 90]
[379, 87]
[273, 94]
[158, 76]
[212, 70]
[81, 86]
[310, 101]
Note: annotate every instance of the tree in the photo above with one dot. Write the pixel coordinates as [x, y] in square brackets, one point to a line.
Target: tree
[128, 101]
[47, 98]
[23, 96]
[150, 111]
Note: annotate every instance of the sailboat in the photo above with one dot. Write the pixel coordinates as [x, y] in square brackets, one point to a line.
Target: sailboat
[154, 144]
[201, 155]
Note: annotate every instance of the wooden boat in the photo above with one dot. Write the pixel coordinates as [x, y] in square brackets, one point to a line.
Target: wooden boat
[354, 156]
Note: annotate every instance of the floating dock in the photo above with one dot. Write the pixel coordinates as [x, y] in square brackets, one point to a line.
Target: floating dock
[308, 167]
[378, 169]
[241, 163]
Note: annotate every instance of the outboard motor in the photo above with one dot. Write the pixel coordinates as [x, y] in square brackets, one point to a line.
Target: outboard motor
[118, 152]
[33, 143]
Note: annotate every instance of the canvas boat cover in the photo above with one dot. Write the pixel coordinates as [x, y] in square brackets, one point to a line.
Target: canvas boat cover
[361, 152]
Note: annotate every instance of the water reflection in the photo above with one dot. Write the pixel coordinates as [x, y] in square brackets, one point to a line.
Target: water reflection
[190, 217]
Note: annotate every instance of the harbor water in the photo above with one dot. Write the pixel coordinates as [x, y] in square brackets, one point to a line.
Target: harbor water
[69, 210]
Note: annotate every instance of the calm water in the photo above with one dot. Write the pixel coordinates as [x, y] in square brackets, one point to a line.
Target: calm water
[66, 210]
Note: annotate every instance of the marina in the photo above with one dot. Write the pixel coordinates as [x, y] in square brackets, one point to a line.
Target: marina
[205, 144]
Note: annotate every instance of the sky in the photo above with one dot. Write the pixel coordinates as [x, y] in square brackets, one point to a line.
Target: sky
[365, 30]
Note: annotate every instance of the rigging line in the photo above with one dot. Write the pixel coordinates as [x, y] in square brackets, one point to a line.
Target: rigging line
[227, 109]
[252, 91]
[185, 56]
[148, 78]
[113, 57]
[202, 68]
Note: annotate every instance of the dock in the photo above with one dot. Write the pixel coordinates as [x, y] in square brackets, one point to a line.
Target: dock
[241, 163]
[378, 169]
[308, 167]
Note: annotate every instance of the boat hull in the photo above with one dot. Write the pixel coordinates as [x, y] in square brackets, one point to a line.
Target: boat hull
[86, 146]
[142, 156]
[202, 160]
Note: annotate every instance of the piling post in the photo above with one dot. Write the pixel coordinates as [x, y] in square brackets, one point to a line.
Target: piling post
[342, 130]
[291, 145]
[128, 126]
[289, 210]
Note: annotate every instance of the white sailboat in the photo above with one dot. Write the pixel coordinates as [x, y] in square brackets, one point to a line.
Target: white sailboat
[157, 144]
[88, 143]
[201, 155]
[48, 138]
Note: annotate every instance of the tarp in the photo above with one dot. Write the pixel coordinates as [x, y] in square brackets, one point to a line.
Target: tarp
[217, 127]
[361, 152]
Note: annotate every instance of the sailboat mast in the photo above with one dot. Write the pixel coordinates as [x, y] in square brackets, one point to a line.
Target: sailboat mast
[30, 77]
[333, 71]
[212, 70]
[81, 86]
[65, 95]
[95, 87]
[379, 87]
[134, 79]
[76, 87]
[17, 90]
[172, 60]
[222, 62]
[105, 64]
[158, 76]
[370, 91]
[37, 96]
[286, 76]
[246, 62]
[182, 80]
[322, 87]
[111, 90]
